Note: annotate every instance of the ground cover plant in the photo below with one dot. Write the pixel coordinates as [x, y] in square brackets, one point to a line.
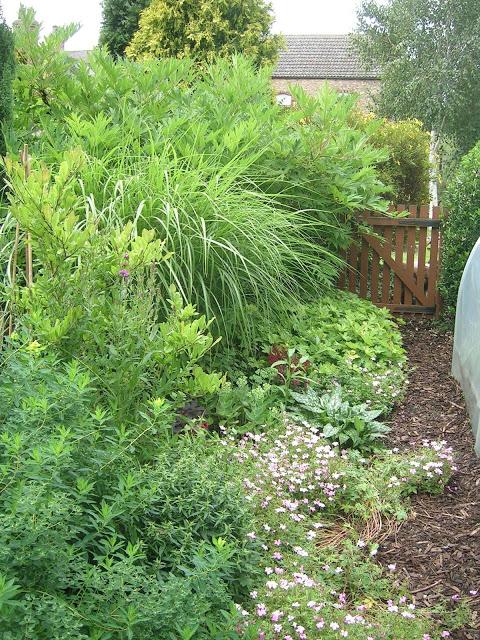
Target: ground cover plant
[340, 342]
[320, 578]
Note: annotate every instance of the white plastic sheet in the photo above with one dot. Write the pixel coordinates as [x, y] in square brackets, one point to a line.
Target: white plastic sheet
[466, 349]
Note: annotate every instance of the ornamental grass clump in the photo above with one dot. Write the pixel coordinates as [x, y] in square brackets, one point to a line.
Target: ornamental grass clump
[232, 248]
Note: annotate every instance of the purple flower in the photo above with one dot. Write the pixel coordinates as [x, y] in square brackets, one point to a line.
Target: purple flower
[123, 273]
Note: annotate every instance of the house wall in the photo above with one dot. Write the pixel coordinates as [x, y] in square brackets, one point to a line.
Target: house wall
[366, 88]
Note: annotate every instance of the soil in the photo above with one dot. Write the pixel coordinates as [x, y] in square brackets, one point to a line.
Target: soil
[438, 548]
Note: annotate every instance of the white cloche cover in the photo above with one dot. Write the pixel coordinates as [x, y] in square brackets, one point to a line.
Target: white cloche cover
[466, 347]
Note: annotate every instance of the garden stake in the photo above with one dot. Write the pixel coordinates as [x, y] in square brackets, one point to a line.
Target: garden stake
[28, 247]
[14, 274]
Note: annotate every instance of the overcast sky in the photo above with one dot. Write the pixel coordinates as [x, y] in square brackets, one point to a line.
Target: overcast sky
[292, 16]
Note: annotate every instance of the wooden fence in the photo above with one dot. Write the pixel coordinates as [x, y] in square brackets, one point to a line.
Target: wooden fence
[397, 264]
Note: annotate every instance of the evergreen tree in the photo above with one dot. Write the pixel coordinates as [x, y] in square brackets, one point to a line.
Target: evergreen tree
[6, 77]
[206, 29]
[119, 23]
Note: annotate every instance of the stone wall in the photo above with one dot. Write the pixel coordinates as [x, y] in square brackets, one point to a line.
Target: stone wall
[366, 88]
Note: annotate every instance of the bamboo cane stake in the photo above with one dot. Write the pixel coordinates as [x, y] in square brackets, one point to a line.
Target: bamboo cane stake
[28, 247]
[14, 276]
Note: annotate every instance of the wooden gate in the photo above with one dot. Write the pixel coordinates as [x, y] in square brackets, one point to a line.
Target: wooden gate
[397, 265]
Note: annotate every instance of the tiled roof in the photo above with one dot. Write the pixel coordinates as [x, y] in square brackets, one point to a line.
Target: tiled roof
[321, 56]
[78, 55]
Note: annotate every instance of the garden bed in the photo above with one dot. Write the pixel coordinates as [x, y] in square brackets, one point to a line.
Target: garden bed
[193, 419]
[437, 547]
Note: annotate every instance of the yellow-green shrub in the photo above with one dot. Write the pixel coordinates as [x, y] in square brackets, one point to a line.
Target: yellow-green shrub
[406, 172]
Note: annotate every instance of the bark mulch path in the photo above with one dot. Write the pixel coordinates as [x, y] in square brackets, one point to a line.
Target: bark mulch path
[438, 548]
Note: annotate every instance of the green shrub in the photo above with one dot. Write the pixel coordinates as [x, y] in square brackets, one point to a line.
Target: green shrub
[94, 299]
[6, 78]
[92, 541]
[205, 30]
[407, 170]
[40, 63]
[195, 502]
[460, 227]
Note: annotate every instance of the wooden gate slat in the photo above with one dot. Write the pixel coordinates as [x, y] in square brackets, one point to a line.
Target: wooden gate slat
[410, 262]
[399, 244]
[364, 269]
[353, 268]
[422, 249]
[374, 276]
[433, 262]
[386, 273]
